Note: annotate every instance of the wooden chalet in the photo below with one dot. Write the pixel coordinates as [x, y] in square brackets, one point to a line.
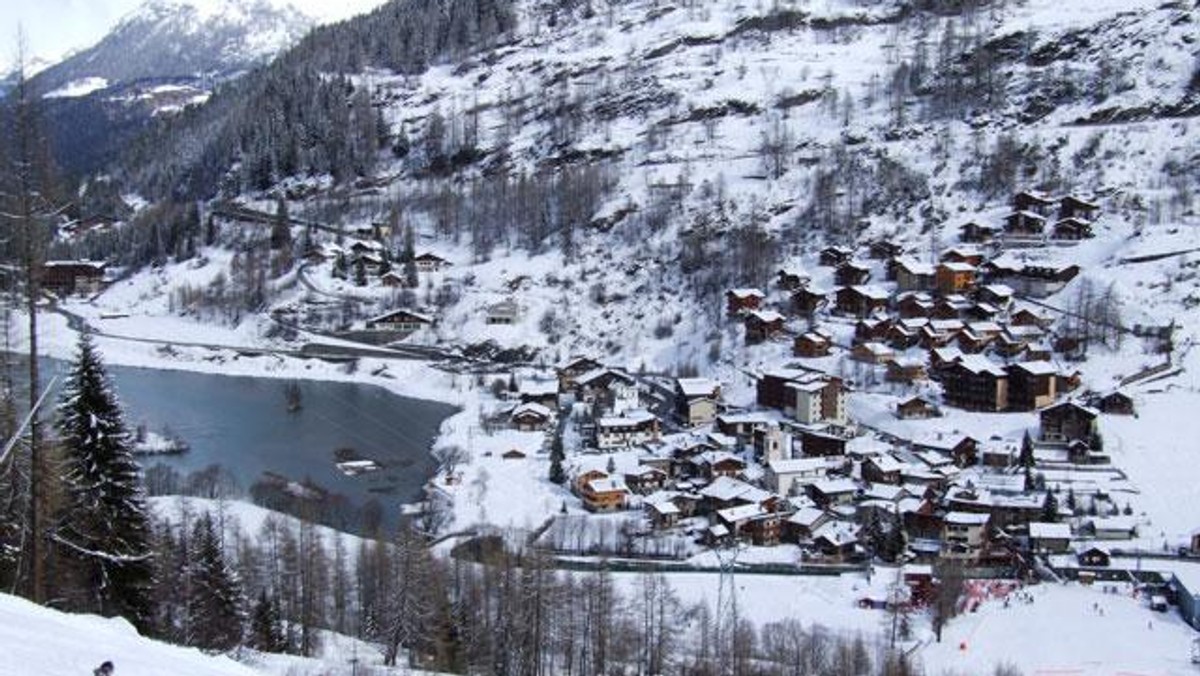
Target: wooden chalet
[696, 400]
[604, 385]
[1030, 317]
[1077, 207]
[738, 301]
[763, 325]
[814, 444]
[962, 450]
[791, 279]
[81, 277]
[811, 345]
[913, 305]
[569, 372]
[1068, 421]
[970, 256]
[998, 295]
[941, 359]
[905, 333]
[872, 353]
[906, 370]
[645, 480]
[430, 262]
[851, 273]
[917, 408]
[1032, 385]
[1094, 557]
[801, 525]
[806, 300]
[833, 256]
[1049, 538]
[1025, 224]
[884, 249]
[544, 392]
[1072, 229]
[393, 280]
[1033, 201]
[976, 233]
[828, 493]
[531, 417]
[861, 301]
[663, 514]
[914, 276]
[955, 277]
[601, 493]
[884, 469]
[871, 329]
[836, 541]
[633, 428]
[975, 383]
[1115, 403]
[400, 320]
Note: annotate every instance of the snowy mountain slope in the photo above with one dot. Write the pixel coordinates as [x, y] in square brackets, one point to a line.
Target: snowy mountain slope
[183, 38]
[42, 641]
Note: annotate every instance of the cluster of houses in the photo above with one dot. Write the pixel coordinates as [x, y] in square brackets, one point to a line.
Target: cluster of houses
[794, 469]
[372, 256]
[1038, 216]
[964, 321]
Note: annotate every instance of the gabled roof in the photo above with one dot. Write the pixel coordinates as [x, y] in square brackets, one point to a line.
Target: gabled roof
[1053, 531]
[415, 316]
[765, 316]
[746, 293]
[532, 408]
[698, 387]
[966, 519]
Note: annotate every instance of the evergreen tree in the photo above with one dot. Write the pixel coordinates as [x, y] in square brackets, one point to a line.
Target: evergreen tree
[214, 605]
[1050, 508]
[360, 272]
[1071, 502]
[266, 628]
[1026, 457]
[557, 475]
[1030, 484]
[103, 531]
[409, 257]
[281, 228]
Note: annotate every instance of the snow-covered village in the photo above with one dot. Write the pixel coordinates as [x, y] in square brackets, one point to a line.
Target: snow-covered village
[844, 337]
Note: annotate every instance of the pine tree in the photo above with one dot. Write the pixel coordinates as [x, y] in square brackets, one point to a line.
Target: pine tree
[281, 227]
[409, 257]
[266, 628]
[360, 272]
[215, 605]
[557, 475]
[1071, 502]
[103, 531]
[1050, 508]
[1025, 459]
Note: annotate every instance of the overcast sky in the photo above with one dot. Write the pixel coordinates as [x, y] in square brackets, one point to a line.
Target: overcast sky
[54, 27]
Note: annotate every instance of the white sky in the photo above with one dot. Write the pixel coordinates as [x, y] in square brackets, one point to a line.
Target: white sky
[55, 27]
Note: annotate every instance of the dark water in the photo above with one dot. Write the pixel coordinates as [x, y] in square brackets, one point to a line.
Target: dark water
[243, 424]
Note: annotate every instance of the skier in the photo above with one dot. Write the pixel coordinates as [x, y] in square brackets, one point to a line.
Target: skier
[105, 669]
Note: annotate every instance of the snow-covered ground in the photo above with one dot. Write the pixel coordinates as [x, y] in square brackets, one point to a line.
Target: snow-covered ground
[46, 642]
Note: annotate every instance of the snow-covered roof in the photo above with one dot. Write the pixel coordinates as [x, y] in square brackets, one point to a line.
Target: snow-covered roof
[834, 486]
[665, 508]
[1036, 368]
[966, 519]
[807, 516]
[801, 465]
[1049, 531]
[955, 266]
[766, 316]
[629, 419]
[977, 363]
[740, 513]
[915, 267]
[538, 388]
[606, 485]
[872, 292]
[698, 387]
[532, 408]
[747, 293]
